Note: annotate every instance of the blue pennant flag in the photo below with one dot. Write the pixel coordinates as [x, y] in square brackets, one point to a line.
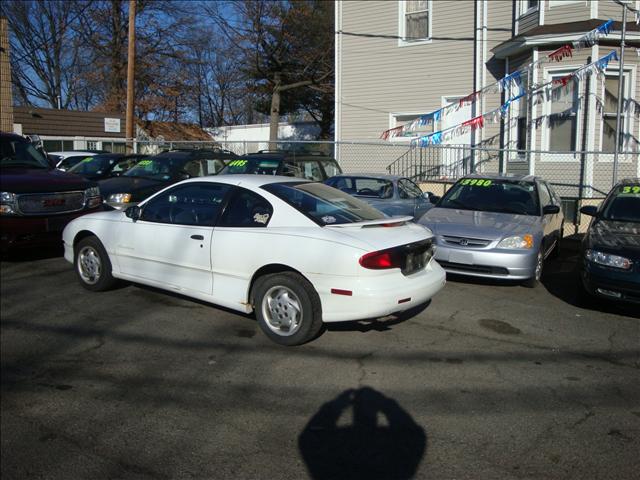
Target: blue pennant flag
[605, 27]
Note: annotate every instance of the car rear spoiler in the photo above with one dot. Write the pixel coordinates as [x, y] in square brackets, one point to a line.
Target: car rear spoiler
[383, 222]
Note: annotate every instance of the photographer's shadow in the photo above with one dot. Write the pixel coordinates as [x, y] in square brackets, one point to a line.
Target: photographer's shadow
[379, 440]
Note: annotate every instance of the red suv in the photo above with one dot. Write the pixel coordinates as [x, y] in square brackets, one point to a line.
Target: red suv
[37, 201]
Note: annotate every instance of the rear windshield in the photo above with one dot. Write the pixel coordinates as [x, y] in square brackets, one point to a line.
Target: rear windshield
[623, 204]
[493, 195]
[324, 204]
[260, 166]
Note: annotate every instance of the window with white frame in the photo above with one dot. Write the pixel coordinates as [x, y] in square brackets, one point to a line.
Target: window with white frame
[610, 111]
[521, 119]
[418, 130]
[562, 114]
[93, 145]
[527, 6]
[415, 21]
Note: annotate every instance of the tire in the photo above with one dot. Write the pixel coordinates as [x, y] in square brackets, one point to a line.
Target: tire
[93, 266]
[535, 280]
[287, 308]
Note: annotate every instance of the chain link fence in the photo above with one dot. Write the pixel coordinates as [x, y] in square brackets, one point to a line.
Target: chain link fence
[579, 177]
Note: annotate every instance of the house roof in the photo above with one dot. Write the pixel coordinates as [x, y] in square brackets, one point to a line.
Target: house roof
[171, 131]
[65, 123]
[561, 33]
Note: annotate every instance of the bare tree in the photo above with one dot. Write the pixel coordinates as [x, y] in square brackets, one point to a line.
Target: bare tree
[46, 59]
[284, 45]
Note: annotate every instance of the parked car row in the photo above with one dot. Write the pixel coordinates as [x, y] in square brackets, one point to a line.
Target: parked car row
[186, 220]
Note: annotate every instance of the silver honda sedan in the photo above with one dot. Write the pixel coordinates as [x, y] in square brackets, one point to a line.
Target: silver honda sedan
[497, 226]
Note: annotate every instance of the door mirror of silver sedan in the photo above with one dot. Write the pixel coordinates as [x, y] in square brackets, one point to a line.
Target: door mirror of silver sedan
[133, 212]
[590, 210]
[550, 210]
[434, 199]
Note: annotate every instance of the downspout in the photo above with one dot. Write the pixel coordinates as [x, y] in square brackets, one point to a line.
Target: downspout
[485, 16]
[337, 111]
[476, 78]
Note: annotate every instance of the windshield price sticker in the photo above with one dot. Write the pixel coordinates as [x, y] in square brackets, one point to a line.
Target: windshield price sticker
[238, 163]
[476, 182]
[88, 159]
[144, 163]
[630, 190]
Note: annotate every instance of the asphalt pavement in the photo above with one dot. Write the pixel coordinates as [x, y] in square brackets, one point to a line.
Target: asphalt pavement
[488, 381]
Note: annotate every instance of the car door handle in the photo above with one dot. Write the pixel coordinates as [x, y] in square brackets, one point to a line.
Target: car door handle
[197, 237]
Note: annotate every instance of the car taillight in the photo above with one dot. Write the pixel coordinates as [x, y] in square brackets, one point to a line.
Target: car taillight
[382, 260]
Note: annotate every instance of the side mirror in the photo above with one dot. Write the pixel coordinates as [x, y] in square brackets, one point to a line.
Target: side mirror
[133, 212]
[550, 209]
[427, 195]
[590, 210]
[434, 199]
[184, 175]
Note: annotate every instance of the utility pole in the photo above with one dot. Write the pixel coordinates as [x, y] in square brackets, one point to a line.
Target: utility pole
[620, 95]
[131, 62]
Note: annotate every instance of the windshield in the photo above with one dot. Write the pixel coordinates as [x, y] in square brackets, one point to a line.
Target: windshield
[93, 165]
[490, 195]
[324, 204]
[17, 153]
[623, 204]
[160, 167]
[260, 166]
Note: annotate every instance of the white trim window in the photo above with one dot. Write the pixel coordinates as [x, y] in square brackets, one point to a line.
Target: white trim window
[398, 119]
[610, 109]
[560, 132]
[415, 22]
[528, 6]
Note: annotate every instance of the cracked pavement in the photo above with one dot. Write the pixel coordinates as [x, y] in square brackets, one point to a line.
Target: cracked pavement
[487, 381]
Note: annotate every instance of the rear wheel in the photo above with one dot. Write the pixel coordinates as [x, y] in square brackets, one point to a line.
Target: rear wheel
[93, 266]
[288, 308]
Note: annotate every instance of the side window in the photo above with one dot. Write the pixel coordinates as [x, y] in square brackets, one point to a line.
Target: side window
[192, 204]
[331, 167]
[311, 170]
[246, 209]
[213, 165]
[408, 189]
[193, 168]
[545, 196]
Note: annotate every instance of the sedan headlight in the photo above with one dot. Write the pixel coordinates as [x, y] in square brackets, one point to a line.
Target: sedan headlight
[119, 198]
[517, 241]
[8, 203]
[608, 259]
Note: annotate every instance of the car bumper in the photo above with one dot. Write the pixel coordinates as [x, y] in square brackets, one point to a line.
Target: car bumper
[30, 232]
[377, 296]
[609, 283]
[491, 263]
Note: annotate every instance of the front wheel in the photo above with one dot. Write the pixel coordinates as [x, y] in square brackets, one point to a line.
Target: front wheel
[288, 308]
[93, 266]
[535, 280]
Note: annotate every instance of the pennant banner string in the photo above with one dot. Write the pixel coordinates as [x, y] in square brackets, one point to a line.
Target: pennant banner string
[515, 78]
[436, 138]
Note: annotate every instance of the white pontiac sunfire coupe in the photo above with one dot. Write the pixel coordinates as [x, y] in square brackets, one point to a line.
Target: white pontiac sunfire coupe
[300, 253]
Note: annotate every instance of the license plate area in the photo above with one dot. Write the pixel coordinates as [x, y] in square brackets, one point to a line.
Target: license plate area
[417, 256]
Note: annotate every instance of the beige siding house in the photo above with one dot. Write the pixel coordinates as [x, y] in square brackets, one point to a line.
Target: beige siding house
[398, 60]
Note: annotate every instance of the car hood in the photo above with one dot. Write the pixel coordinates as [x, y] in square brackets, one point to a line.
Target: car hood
[471, 223]
[138, 187]
[38, 180]
[615, 236]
